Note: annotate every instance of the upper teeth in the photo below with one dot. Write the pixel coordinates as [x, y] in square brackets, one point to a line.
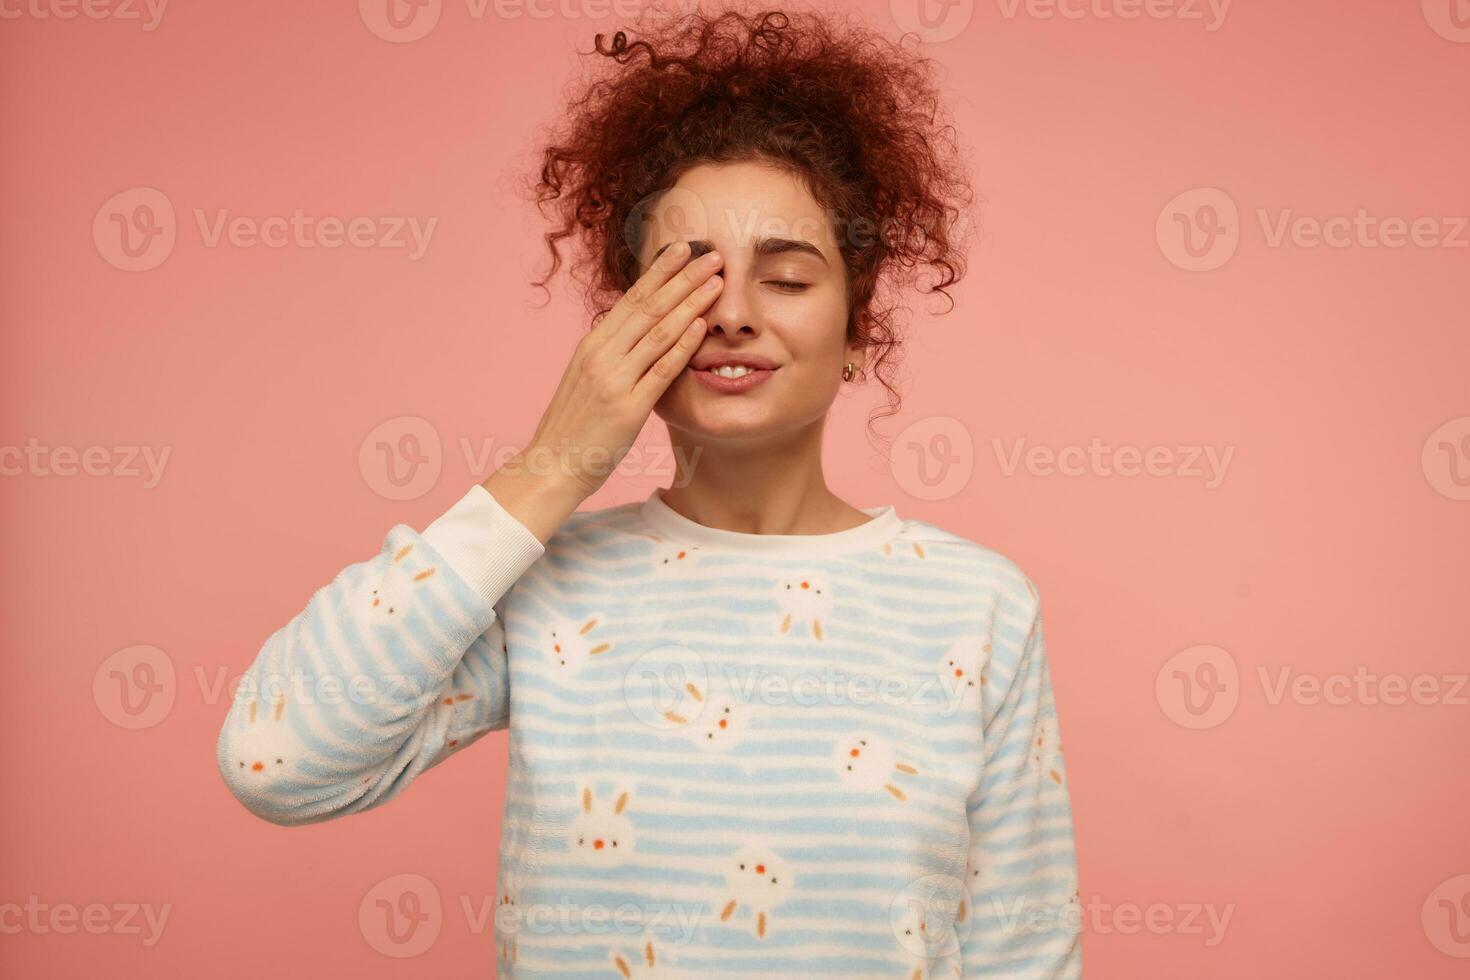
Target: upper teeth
[731, 370]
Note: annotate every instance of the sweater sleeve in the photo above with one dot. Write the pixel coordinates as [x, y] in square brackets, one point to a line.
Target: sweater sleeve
[1025, 921]
[393, 666]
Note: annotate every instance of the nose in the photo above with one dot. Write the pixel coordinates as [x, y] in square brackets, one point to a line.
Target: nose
[730, 315]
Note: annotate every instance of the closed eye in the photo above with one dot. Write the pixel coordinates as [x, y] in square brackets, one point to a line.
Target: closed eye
[788, 285]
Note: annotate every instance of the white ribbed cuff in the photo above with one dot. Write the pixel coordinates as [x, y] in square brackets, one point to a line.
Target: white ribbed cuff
[484, 543]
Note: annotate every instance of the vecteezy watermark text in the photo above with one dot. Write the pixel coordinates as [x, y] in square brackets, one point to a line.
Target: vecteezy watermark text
[124, 462]
[1204, 463]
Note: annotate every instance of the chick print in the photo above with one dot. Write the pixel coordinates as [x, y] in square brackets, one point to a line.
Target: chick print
[388, 598]
[803, 600]
[871, 764]
[602, 833]
[756, 878]
[716, 725]
[1046, 750]
[962, 670]
[572, 645]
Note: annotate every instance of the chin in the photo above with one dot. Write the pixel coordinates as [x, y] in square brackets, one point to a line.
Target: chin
[720, 423]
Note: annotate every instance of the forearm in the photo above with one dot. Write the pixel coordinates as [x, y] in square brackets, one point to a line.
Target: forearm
[391, 667]
[537, 490]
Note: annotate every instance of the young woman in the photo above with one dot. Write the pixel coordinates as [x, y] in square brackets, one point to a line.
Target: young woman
[754, 730]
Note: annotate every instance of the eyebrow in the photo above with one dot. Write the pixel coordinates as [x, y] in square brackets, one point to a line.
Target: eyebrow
[764, 247]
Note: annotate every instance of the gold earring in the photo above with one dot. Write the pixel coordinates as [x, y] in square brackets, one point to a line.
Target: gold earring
[847, 370]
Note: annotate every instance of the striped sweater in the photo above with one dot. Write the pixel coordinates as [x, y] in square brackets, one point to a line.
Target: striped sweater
[731, 754]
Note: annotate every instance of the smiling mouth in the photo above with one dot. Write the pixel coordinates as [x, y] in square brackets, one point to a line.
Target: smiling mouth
[733, 370]
[732, 379]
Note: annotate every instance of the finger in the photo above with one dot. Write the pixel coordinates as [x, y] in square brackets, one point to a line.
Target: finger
[668, 331]
[668, 367]
[664, 268]
[644, 314]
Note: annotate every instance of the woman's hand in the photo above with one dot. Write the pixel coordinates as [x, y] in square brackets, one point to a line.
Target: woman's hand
[617, 372]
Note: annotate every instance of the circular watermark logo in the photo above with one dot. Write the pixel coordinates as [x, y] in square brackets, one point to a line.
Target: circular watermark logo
[135, 687]
[934, 21]
[924, 914]
[135, 230]
[675, 214]
[1450, 19]
[400, 21]
[1446, 916]
[400, 458]
[401, 916]
[1198, 687]
[1446, 459]
[933, 458]
[665, 688]
[1199, 229]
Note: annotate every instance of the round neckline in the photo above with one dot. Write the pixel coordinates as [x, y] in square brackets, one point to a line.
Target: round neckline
[660, 516]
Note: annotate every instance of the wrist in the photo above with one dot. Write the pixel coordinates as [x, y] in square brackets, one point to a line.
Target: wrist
[538, 496]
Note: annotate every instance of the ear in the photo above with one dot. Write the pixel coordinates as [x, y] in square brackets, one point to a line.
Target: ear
[280, 707]
[622, 802]
[586, 799]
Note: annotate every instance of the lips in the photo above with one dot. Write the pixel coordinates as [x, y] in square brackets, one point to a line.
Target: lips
[703, 362]
[751, 377]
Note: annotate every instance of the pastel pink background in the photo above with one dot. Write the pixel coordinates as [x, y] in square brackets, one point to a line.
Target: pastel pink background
[1323, 828]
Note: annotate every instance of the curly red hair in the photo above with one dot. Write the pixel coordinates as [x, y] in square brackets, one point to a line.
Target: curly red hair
[856, 115]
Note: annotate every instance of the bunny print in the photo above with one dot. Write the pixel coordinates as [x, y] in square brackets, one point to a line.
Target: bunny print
[645, 965]
[649, 964]
[602, 833]
[756, 878]
[803, 600]
[571, 646]
[916, 548]
[975, 864]
[922, 933]
[266, 746]
[962, 669]
[717, 725]
[871, 764]
[671, 558]
[924, 916]
[507, 925]
[1046, 750]
[386, 599]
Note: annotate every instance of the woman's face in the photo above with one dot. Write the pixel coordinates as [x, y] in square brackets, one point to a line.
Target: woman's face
[784, 301]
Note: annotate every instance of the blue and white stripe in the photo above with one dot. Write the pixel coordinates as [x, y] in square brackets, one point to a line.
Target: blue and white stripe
[942, 848]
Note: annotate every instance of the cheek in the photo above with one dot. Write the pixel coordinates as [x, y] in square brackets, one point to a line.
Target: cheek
[811, 329]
